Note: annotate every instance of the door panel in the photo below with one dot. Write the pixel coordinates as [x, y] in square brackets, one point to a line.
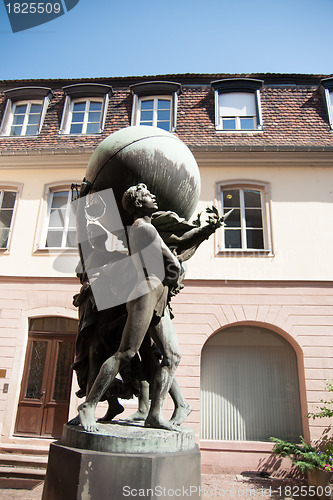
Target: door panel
[58, 387]
[46, 382]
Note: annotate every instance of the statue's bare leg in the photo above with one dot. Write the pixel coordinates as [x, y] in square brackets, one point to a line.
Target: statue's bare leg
[165, 337]
[114, 409]
[140, 313]
[182, 407]
[142, 412]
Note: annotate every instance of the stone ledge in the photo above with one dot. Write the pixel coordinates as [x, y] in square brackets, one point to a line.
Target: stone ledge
[128, 437]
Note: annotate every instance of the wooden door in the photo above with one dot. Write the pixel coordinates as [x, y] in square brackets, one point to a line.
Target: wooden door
[45, 389]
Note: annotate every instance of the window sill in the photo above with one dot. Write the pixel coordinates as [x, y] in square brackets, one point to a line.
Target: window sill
[244, 253]
[252, 446]
[67, 134]
[5, 136]
[55, 251]
[235, 131]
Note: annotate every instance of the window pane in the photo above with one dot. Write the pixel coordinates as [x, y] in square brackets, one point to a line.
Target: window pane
[72, 219]
[246, 123]
[231, 198]
[71, 239]
[164, 125]
[76, 128]
[79, 106]
[35, 379]
[163, 115]
[35, 108]
[229, 124]
[4, 233]
[233, 238]
[255, 238]
[33, 119]
[16, 130]
[146, 115]
[147, 104]
[163, 104]
[253, 217]
[77, 117]
[18, 119]
[5, 217]
[252, 199]
[54, 239]
[95, 106]
[20, 109]
[94, 116]
[8, 200]
[32, 130]
[60, 199]
[64, 361]
[234, 219]
[57, 218]
[93, 128]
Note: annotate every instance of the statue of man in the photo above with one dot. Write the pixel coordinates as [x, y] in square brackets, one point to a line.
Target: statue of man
[146, 305]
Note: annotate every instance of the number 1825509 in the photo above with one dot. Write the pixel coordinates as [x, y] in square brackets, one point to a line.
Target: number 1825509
[34, 8]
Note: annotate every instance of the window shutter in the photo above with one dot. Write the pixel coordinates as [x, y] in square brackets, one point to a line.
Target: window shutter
[249, 387]
[6, 117]
[65, 115]
[237, 104]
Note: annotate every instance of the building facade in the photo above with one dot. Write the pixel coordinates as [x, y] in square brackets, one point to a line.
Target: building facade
[255, 317]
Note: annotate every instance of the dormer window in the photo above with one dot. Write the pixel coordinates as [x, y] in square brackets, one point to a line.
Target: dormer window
[155, 104]
[25, 110]
[85, 108]
[237, 104]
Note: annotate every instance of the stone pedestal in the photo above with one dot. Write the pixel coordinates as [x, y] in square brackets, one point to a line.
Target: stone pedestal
[123, 461]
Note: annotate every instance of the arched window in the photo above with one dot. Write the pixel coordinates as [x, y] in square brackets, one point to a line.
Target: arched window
[249, 386]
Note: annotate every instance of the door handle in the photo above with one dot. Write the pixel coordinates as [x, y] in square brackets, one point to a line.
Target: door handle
[42, 394]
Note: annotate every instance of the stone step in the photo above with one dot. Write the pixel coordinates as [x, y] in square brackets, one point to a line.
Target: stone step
[31, 461]
[22, 472]
[24, 449]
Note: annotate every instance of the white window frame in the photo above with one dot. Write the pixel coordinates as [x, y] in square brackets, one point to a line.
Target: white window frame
[155, 99]
[257, 117]
[26, 116]
[8, 116]
[15, 188]
[238, 117]
[44, 218]
[264, 189]
[156, 90]
[66, 121]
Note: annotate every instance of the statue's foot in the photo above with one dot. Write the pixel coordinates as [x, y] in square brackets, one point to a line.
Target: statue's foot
[180, 414]
[75, 421]
[160, 423]
[87, 417]
[138, 416]
[113, 410]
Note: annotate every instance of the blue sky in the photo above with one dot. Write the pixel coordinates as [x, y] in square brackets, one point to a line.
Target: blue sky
[127, 37]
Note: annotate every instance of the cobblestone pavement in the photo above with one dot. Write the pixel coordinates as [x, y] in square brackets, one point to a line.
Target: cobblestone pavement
[213, 487]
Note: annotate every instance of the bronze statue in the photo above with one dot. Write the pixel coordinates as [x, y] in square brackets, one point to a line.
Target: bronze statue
[147, 315]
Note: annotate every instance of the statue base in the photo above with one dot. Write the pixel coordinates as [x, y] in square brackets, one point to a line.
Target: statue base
[124, 464]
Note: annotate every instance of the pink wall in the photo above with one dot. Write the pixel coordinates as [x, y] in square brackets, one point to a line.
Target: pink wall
[300, 312]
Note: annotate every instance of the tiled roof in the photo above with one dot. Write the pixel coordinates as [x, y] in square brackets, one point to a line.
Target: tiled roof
[293, 110]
